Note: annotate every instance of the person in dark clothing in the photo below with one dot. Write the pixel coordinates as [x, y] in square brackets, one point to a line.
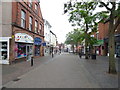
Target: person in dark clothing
[80, 54]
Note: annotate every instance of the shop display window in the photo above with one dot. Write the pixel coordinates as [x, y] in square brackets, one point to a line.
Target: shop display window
[3, 48]
[21, 50]
[37, 50]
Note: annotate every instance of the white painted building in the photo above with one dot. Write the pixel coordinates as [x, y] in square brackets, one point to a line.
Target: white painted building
[5, 31]
[47, 37]
[53, 42]
[53, 39]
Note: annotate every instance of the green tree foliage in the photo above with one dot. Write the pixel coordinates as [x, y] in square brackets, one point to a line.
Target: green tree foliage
[113, 10]
[74, 37]
[81, 14]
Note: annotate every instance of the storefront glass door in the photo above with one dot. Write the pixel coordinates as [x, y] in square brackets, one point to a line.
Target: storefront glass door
[29, 52]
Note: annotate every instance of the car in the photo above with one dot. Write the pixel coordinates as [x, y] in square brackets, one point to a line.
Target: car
[70, 51]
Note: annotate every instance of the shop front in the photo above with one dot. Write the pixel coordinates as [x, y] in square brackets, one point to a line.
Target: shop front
[4, 50]
[37, 46]
[23, 46]
[46, 48]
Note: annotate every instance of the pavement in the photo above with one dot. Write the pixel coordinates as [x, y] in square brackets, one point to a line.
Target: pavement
[11, 72]
[62, 71]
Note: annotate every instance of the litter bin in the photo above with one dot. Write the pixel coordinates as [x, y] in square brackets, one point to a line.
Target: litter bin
[93, 56]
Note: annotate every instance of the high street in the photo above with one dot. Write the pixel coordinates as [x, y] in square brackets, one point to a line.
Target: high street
[67, 71]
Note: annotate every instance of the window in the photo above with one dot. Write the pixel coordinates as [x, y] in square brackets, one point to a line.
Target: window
[30, 3]
[36, 7]
[40, 27]
[30, 23]
[36, 26]
[21, 50]
[23, 19]
[97, 35]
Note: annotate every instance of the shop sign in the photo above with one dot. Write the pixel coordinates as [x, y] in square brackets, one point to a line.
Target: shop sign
[37, 41]
[22, 37]
[44, 44]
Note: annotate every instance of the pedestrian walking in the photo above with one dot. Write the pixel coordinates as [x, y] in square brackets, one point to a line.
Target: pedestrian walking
[52, 54]
[80, 54]
[32, 61]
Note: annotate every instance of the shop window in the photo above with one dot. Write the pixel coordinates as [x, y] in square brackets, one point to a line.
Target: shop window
[37, 50]
[30, 23]
[21, 50]
[23, 19]
[3, 48]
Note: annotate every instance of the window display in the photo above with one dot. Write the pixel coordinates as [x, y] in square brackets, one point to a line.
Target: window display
[20, 50]
[3, 50]
[37, 50]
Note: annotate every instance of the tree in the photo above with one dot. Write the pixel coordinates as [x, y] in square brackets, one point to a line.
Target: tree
[81, 14]
[73, 38]
[113, 9]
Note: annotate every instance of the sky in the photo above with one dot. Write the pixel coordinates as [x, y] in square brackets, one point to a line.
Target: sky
[52, 11]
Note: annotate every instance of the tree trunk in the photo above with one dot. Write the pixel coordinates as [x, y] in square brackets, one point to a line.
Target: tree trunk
[111, 44]
[86, 49]
[73, 47]
[112, 66]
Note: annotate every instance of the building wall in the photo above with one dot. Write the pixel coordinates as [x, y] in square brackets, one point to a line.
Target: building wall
[16, 18]
[6, 19]
[16, 24]
[47, 28]
[103, 31]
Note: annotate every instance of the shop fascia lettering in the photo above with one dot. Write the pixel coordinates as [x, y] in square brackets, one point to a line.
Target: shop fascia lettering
[23, 37]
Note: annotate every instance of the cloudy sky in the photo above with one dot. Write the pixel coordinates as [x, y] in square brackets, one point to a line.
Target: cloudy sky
[52, 10]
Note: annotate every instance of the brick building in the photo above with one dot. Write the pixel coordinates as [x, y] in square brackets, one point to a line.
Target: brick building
[102, 37]
[24, 33]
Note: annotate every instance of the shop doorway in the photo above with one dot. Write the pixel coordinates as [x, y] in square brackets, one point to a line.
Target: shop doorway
[29, 52]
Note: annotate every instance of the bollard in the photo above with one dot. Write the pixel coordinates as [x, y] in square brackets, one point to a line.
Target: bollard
[31, 61]
[52, 55]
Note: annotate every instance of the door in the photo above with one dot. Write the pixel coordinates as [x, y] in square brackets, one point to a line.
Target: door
[29, 52]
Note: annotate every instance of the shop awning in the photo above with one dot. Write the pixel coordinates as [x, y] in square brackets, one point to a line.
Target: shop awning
[100, 42]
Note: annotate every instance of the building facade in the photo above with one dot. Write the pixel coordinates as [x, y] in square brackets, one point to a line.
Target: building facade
[47, 28]
[53, 42]
[25, 27]
[102, 37]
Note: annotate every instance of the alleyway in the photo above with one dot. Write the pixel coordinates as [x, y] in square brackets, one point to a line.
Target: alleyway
[68, 71]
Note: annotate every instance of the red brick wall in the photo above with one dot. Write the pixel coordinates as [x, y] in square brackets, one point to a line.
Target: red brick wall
[103, 30]
[16, 14]
[16, 19]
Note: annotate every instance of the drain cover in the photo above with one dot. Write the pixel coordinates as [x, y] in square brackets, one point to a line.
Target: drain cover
[3, 88]
[17, 79]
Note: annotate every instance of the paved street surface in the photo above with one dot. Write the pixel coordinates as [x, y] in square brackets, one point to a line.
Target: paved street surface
[63, 71]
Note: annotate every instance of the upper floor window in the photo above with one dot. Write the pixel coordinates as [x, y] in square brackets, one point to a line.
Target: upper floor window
[36, 26]
[40, 27]
[23, 19]
[30, 3]
[30, 23]
[36, 7]
[97, 35]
